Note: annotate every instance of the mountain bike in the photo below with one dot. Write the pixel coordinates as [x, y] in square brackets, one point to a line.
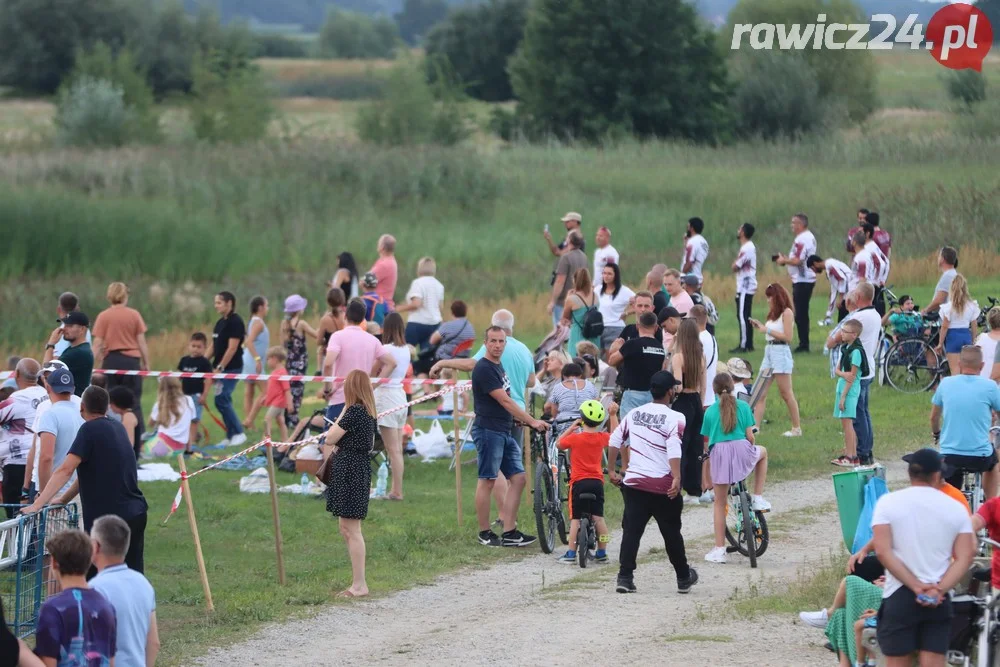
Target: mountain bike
[586, 536]
[549, 493]
[746, 529]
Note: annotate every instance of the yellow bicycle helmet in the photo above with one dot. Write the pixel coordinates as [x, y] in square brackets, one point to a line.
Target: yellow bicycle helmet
[592, 412]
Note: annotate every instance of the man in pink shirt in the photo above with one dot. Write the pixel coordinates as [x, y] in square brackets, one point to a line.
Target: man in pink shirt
[679, 299]
[352, 348]
[385, 269]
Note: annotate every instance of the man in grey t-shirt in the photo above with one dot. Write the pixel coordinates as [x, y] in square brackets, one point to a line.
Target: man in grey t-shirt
[948, 263]
[568, 265]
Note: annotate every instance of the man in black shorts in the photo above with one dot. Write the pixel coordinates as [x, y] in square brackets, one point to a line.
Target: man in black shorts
[925, 541]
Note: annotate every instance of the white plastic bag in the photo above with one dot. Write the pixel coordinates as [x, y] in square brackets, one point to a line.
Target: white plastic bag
[256, 482]
[433, 444]
[310, 453]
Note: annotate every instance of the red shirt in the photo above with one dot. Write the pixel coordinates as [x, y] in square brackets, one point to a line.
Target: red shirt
[881, 238]
[586, 454]
[990, 511]
[275, 395]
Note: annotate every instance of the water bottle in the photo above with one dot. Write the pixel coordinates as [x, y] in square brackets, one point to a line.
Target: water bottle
[383, 476]
[304, 483]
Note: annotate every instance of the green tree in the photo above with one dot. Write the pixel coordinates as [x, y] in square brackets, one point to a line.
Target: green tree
[230, 104]
[776, 95]
[39, 39]
[992, 10]
[587, 68]
[350, 35]
[419, 16]
[476, 41]
[845, 77]
[966, 87]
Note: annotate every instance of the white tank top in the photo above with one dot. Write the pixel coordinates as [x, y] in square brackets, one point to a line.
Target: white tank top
[773, 325]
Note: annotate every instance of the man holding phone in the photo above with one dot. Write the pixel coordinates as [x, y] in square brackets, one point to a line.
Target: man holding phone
[925, 541]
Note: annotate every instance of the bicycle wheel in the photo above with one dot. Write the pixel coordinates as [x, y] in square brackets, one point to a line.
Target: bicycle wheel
[583, 542]
[736, 535]
[544, 493]
[912, 366]
[749, 534]
[562, 490]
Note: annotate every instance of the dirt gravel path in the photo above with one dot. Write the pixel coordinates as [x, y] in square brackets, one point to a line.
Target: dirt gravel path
[536, 611]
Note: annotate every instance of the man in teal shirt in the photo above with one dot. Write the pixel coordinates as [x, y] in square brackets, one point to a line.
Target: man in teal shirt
[519, 364]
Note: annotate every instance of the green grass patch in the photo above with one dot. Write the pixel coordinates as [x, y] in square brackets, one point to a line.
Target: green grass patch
[813, 588]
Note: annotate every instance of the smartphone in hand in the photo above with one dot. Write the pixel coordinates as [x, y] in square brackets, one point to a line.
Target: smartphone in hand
[774, 258]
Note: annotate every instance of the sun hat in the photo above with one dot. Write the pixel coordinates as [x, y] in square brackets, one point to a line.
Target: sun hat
[295, 303]
[739, 369]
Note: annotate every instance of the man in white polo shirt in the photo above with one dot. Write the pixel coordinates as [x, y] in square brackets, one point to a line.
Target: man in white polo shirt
[803, 278]
[604, 255]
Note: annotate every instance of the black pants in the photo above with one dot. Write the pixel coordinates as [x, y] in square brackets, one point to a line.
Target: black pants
[123, 362]
[842, 310]
[640, 507]
[801, 293]
[13, 482]
[879, 301]
[692, 444]
[744, 311]
[136, 546]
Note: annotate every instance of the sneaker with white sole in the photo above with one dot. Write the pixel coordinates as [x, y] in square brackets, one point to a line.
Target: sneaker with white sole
[708, 497]
[515, 538]
[222, 443]
[794, 433]
[691, 500]
[716, 555]
[569, 558]
[815, 619]
[760, 505]
[238, 439]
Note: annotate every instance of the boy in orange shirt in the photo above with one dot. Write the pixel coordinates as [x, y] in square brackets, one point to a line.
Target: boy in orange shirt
[586, 449]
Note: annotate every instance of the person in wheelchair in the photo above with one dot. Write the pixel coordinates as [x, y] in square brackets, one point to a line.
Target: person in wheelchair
[961, 417]
[904, 319]
[587, 449]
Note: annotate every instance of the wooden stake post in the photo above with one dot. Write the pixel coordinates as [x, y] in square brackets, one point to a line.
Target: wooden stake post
[274, 510]
[194, 533]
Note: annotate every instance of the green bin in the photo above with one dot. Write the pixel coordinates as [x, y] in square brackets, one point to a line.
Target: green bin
[849, 488]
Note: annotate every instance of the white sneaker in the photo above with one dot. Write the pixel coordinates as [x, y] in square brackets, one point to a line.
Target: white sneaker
[717, 555]
[690, 500]
[238, 440]
[760, 505]
[794, 433]
[708, 497]
[222, 443]
[815, 619]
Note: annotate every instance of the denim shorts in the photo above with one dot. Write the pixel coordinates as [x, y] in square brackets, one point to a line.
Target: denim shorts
[956, 339]
[778, 358]
[197, 406]
[497, 452]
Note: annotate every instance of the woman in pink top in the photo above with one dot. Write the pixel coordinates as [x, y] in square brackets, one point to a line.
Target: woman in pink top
[385, 269]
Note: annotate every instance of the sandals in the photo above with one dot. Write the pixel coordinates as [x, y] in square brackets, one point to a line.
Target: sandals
[346, 593]
[392, 497]
[845, 461]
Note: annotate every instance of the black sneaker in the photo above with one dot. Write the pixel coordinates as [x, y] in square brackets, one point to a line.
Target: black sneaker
[625, 585]
[801, 350]
[684, 585]
[738, 350]
[488, 538]
[515, 538]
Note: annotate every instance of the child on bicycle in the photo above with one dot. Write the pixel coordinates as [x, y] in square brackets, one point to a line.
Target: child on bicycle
[586, 448]
[852, 367]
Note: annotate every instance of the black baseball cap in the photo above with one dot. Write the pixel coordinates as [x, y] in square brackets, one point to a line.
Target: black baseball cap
[665, 313]
[61, 381]
[661, 383]
[930, 461]
[76, 317]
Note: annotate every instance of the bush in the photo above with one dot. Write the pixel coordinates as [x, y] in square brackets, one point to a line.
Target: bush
[966, 86]
[231, 106]
[981, 122]
[586, 69]
[92, 112]
[776, 95]
[418, 16]
[350, 35]
[279, 46]
[476, 41]
[409, 114]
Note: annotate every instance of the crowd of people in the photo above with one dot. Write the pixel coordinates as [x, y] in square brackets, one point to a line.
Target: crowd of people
[653, 394]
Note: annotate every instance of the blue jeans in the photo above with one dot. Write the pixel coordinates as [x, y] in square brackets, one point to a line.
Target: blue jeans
[497, 451]
[557, 312]
[224, 404]
[632, 399]
[418, 335]
[863, 422]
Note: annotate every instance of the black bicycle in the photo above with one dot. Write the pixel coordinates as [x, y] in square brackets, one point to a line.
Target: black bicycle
[550, 494]
[586, 536]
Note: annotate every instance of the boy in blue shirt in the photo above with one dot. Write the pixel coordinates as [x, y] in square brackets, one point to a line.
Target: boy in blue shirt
[375, 306]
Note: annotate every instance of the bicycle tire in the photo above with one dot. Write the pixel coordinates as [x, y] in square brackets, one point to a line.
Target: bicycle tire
[583, 542]
[542, 500]
[748, 528]
[761, 532]
[906, 366]
[562, 493]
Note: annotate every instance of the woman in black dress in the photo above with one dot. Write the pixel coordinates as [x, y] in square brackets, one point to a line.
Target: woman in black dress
[351, 440]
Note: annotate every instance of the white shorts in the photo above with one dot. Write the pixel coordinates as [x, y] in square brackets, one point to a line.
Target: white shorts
[778, 358]
[387, 398]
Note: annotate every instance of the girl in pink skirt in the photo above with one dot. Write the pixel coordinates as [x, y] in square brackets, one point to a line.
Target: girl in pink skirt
[728, 430]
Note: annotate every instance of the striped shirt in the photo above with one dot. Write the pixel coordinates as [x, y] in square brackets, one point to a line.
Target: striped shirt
[839, 275]
[746, 274]
[653, 432]
[695, 252]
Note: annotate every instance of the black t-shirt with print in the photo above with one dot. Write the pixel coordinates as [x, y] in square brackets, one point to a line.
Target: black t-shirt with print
[486, 377]
[107, 472]
[225, 329]
[632, 331]
[643, 357]
[192, 386]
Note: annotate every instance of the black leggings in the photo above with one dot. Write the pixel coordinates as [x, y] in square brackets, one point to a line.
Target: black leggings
[692, 444]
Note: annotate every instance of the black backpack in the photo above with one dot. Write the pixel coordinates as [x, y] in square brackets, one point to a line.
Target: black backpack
[593, 323]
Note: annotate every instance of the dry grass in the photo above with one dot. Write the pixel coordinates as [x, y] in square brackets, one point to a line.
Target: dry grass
[293, 69]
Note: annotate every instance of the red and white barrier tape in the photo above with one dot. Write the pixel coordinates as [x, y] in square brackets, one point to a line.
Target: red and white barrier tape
[264, 376]
[315, 438]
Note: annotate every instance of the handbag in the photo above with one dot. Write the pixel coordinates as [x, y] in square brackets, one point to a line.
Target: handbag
[325, 466]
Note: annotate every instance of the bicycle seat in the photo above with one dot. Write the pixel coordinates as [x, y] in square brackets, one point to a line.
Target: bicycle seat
[981, 573]
[588, 496]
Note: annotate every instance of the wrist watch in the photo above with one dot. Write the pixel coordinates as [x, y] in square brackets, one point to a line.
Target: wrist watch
[50, 345]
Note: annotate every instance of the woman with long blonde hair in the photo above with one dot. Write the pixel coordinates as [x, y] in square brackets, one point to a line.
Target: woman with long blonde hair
[958, 321]
[728, 427]
[349, 442]
[688, 368]
[173, 417]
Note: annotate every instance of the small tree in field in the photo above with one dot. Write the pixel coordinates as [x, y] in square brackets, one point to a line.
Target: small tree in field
[588, 68]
